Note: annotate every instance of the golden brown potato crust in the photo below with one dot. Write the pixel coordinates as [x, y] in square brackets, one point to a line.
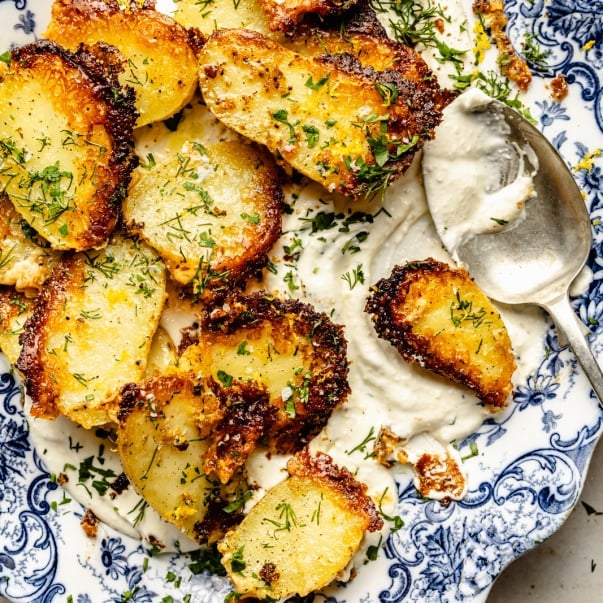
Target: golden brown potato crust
[158, 54]
[302, 533]
[365, 50]
[320, 468]
[91, 330]
[165, 427]
[436, 316]
[247, 417]
[66, 142]
[282, 346]
[40, 384]
[353, 129]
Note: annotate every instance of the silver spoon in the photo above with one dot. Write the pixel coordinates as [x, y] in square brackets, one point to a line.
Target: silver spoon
[536, 256]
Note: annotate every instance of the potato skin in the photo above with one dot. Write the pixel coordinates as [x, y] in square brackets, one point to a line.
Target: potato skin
[436, 316]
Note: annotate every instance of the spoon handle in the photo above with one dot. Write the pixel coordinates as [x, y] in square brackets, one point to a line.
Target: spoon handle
[565, 318]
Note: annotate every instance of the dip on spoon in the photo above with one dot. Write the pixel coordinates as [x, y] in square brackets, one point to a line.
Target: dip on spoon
[519, 225]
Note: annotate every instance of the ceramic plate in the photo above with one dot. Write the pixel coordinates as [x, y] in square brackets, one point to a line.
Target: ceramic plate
[523, 484]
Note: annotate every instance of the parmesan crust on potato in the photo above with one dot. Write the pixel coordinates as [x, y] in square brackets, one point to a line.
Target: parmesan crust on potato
[212, 212]
[352, 130]
[66, 142]
[283, 347]
[360, 43]
[158, 54]
[285, 15]
[302, 533]
[91, 331]
[436, 316]
[163, 435]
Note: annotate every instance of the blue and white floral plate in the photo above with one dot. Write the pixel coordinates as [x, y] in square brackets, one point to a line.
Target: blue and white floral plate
[523, 484]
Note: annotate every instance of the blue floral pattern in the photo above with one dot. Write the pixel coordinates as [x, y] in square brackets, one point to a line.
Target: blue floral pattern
[523, 483]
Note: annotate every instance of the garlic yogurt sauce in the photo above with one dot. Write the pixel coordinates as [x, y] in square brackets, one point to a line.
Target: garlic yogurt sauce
[331, 252]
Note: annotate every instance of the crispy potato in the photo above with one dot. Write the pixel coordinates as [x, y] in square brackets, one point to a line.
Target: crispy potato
[207, 17]
[212, 212]
[343, 128]
[302, 533]
[15, 309]
[438, 317]
[360, 42]
[159, 59]
[437, 470]
[285, 347]
[26, 260]
[164, 425]
[66, 143]
[91, 331]
[285, 15]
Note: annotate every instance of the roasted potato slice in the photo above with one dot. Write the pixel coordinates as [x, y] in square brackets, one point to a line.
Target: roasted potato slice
[15, 309]
[26, 260]
[285, 15]
[343, 128]
[283, 346]
[66, 143]
[163, 431]
[91, 331]
[207, 17]
[302, 533]
[437, 316]
[212, 212]
[159, 60]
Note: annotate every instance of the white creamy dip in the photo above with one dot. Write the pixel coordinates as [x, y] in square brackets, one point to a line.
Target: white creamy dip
[477, 180]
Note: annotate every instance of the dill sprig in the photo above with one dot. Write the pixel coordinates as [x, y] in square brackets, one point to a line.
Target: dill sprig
[413, 23]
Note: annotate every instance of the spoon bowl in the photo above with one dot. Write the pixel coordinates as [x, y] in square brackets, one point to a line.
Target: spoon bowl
[535, 257]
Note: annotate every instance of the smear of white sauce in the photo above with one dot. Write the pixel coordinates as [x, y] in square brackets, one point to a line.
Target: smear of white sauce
[476, 180]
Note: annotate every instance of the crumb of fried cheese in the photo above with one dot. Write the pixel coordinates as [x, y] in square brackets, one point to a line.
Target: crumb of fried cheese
[89, 524]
